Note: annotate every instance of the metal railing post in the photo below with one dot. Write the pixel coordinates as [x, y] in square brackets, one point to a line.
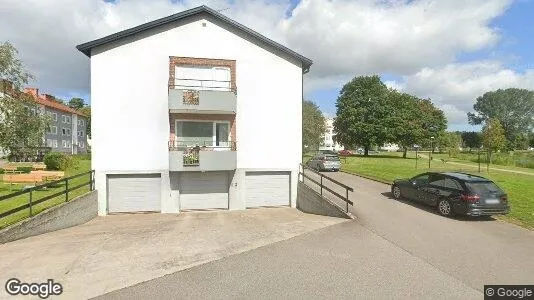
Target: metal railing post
[347, 199]
[321, 184]
[66, 190]
[31, 202]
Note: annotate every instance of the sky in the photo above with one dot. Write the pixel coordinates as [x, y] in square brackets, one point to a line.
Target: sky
[450, 51]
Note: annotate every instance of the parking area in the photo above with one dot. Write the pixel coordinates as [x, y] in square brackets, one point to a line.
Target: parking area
[114, 252]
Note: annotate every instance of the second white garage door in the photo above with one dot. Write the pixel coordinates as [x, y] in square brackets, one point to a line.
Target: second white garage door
[203, 190]
[267, 189]
[134, 192]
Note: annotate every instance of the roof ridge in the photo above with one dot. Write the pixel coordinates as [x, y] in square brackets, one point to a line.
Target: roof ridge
[85, 48]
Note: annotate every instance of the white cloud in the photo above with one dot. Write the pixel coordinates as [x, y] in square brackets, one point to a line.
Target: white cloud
[455, 87]
[356, 37]
[418, 40]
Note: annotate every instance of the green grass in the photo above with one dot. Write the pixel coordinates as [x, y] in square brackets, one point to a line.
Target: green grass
[5, 205]
[387, 167]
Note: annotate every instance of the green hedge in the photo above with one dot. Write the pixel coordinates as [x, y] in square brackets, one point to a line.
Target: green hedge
[25, 169]
[60, 161]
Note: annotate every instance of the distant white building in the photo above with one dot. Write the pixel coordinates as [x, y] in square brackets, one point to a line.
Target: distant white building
[390, 147]
[328, 137]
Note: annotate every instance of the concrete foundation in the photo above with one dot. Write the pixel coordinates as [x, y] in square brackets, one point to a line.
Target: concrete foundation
[311, 202]
[75, 212]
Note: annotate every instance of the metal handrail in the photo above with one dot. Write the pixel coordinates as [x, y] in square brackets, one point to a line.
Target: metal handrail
[227, 84]
[322, 187]
[184, 145]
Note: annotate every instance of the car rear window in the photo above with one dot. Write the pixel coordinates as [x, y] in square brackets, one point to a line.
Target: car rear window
[484, 187]
[331, 158]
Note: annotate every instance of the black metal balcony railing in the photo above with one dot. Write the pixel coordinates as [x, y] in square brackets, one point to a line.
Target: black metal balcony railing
[191, 149]
[202, 84]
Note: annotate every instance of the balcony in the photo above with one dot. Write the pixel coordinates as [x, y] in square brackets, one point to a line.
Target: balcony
[184, 158]
[202, 96]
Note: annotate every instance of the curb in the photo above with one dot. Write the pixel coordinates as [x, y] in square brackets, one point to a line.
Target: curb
[368, 177]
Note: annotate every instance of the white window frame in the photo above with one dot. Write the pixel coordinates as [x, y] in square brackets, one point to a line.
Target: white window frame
[80, 144]
[54, 144]
[54, 116]
[54, 131]
[213, 131]
[206, 79]
[80, 133]
[65, 131]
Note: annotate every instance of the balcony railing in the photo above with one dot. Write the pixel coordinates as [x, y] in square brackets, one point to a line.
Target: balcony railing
[202, 84]
[202, 155]
[202, 96]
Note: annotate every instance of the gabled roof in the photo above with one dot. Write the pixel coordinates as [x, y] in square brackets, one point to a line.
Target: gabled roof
[85, 48]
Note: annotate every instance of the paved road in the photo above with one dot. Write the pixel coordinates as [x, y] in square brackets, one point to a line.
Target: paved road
[393, 250]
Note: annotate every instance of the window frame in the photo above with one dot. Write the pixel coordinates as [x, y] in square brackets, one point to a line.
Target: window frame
[213, 131]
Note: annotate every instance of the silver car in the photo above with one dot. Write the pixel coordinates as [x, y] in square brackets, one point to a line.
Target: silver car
[325, 162]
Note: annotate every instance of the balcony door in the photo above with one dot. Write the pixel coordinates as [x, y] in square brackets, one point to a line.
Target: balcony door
[202, 78]
[213, 134]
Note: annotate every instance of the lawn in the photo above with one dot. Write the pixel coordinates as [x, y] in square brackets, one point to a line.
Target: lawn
[6, 205]
[389, 166]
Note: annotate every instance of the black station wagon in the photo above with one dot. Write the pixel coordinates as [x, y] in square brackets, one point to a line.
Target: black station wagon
[454, 193]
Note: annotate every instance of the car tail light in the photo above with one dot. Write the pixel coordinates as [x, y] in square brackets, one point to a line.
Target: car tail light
[470, 198]
[504, 198]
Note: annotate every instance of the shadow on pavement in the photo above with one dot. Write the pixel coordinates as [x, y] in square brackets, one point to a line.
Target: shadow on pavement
[433, 210]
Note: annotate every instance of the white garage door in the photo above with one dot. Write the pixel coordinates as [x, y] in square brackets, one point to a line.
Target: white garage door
[203, 190]
[267, 188]
[134, 192]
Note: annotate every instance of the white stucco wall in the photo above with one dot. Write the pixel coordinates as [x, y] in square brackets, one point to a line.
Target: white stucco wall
[129, 96]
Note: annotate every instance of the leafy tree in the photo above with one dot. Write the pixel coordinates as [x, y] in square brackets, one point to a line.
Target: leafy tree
[86, 110]
[531, 139]
[413, 120]
[363, 110]
[313, 123]
[472, 139]
[514, 108]
[11, 67]
[22, 124]
[450, 142]
[493, 136]
[76, 103]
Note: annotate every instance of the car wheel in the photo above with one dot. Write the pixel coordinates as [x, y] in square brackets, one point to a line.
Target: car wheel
[396, 192]
[445, 207]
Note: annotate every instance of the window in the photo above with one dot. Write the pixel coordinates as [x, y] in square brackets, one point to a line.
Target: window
[423, 179]
[65, 131]
[51, 143]
[202, 78]
[80, 122]
[66, 144]
[52, 130]
[80, 133]
[484, 187]
[66, 119]
[210, 134]
[445, 182]
[81, 145]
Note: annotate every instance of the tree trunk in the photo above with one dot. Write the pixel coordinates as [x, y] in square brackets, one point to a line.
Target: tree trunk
[405, 151]
[366, 150]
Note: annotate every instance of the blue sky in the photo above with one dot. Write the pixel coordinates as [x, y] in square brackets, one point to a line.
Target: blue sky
[451, 51]
[515, 50]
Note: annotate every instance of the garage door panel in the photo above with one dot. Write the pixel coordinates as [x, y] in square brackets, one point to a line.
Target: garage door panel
[204, 190]
[267, 189]
[134, 192]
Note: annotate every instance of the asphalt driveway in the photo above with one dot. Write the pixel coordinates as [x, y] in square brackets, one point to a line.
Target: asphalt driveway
[474, 250]
[394, 250]
[113, 252]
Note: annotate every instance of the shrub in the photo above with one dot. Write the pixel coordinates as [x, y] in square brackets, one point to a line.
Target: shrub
[1, 171]
[60, 161]
[68, 162]
[25, 170]
[52, 160]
